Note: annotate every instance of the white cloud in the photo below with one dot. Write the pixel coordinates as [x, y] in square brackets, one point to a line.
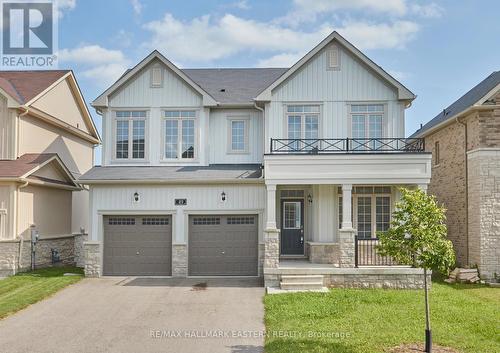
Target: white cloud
[242, 5]
[280, 60]
[380, 35]
[95, 62]
[431, 10]
[136, 6]
[65, 5]
[205, 39]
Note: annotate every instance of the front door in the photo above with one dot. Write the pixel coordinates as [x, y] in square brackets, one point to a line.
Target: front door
[292, 227]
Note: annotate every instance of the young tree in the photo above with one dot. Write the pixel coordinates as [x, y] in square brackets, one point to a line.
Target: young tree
[417, 237]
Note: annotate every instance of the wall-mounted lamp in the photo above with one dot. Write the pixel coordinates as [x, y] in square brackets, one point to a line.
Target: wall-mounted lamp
[223, 196]
[309, 198]
[136, 196]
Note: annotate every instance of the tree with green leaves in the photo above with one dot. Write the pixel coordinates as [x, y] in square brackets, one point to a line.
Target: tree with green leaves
[417, 237]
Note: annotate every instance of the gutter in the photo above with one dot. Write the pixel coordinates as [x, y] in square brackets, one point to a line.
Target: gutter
[173, 182]
[456, 116]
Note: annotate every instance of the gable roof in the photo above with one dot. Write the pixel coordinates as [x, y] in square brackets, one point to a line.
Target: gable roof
[234, 86]
[26, 87]
[23, 86]
[403, 92]
[22, 168]
[102, 100]
[475, 97]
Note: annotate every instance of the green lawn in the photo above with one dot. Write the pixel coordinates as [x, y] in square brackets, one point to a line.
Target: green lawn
[23, 289]
[465, 317]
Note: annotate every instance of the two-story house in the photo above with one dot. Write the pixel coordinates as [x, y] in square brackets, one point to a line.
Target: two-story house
[465, 142]
[47, 138]
[251, 172]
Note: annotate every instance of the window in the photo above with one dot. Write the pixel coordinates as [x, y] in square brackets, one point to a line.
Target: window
[210, 221]
[303, 123]
[130, 135]
[121, 221]
[238, 134]
[437, 157]
[179, 134]
[367, 122]
[371, 208]
[292, 215]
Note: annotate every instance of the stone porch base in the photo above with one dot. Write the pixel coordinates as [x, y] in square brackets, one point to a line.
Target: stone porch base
[394, 277]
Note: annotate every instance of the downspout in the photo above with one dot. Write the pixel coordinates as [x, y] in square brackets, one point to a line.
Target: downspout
[16, 222]
[263, 130]
[466, 190]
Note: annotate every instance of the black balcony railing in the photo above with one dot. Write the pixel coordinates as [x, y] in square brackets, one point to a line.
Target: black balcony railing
[366, 253]
[354, 145]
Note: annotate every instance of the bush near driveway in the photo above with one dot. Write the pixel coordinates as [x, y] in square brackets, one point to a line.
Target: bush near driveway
[23, 289]
[465, 317]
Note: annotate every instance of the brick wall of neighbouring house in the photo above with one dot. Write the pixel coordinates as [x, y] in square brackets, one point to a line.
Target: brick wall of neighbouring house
[448, 183]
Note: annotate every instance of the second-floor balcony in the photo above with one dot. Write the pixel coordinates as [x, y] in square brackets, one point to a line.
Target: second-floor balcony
[347, 145]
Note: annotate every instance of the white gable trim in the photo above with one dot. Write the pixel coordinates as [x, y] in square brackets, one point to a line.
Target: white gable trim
[102, 100]
[403, 92]
[489, 95]
[60, 163]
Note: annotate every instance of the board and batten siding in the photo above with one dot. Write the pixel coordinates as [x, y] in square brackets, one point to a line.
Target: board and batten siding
[159, 199]
[138, 94]
[220, 138]
[7, 131]
[334, 91]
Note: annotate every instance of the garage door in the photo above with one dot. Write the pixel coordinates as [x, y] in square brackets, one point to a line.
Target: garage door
[223, 245]
[137, 245]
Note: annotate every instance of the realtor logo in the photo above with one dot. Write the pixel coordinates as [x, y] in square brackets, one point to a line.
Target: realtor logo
[29, 31]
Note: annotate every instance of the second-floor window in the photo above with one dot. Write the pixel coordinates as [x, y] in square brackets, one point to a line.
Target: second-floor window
[180, 134]
[130, 135]
[367, 122]
[238, 135]
[302, 123]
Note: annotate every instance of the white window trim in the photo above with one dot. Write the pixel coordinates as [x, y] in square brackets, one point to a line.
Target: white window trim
[130, 135]
[385, 122]
[354, 211]
[196, 119]
[246, 120]
[303, 120]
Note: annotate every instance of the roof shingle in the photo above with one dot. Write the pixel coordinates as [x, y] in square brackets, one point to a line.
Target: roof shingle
[18, 167]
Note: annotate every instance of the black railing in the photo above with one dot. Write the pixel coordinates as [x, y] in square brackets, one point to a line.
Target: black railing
[354, 145]
[366, 253]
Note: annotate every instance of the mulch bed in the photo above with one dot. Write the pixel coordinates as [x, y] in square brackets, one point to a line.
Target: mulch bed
[419, 347]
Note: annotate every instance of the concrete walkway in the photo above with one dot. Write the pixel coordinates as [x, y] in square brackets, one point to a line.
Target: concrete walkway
[141, 315]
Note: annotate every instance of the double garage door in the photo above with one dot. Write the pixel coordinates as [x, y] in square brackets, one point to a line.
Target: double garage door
[219, 245]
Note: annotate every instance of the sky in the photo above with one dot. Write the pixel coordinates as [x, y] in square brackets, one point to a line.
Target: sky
[438, 49]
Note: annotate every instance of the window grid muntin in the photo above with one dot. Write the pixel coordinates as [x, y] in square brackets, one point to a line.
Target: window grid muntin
[122, 221]
[238, 134]
[185, 144]
[130, 134]
[367, 121]
[241, 220]
[206, 221]
[156, 221]
[302, 122]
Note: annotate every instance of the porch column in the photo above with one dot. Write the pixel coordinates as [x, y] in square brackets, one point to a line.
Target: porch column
[346, 206]
[271, 206]
[271, 235]
[347, 233]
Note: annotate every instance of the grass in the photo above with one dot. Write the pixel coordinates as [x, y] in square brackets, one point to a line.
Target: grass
[465, 317]
[23, 289]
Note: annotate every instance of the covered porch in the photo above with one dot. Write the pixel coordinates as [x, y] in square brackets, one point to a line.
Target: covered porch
[324, 212]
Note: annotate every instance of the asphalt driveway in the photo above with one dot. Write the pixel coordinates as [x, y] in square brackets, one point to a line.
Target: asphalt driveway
[141, 315]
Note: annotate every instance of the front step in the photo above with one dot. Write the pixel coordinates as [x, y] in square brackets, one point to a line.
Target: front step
[302, 279]
[302, 283]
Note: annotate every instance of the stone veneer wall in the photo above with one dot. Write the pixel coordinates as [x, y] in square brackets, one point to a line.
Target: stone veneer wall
[92, 254]
[324, 253]
[15, 256]
[179, 260]
[484, 211]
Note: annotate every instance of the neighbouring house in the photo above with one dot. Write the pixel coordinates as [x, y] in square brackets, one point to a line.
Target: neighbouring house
[285, 173]
[465, 142]
[47, 138]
